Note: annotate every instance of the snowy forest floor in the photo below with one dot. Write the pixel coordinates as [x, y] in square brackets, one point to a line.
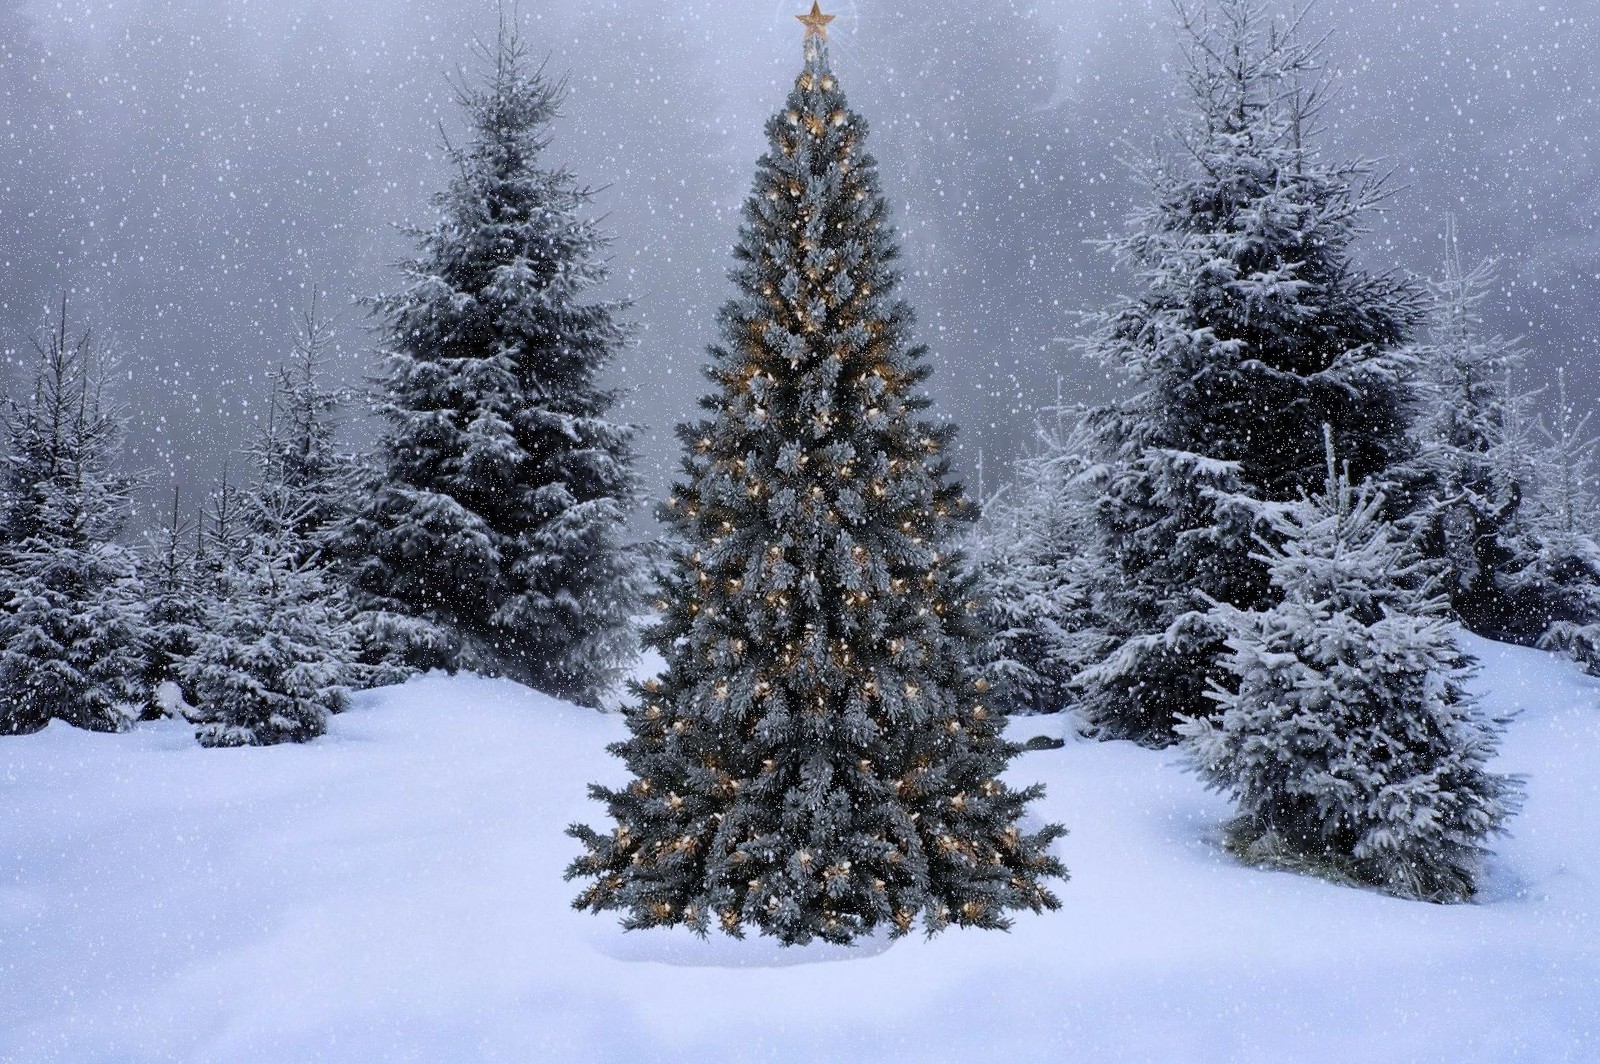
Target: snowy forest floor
[393, 892]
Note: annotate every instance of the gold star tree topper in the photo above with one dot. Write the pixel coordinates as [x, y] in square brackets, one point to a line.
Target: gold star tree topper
[816, 23]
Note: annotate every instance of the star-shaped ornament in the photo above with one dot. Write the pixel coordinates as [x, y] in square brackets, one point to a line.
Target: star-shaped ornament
[816, 23]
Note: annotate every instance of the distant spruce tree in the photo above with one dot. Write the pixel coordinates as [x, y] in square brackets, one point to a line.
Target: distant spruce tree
[271, 656]
[1472, 473]
[174, 604]
[818, 760]
[71, 627]
[504, 484]
[1037, 574]
[300, 470]
[1347, 734]
[1563, 574]
[1252, 328]
[298, 456]
[277, 646]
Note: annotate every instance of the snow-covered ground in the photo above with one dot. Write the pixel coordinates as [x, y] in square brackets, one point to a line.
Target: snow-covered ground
[393, 892]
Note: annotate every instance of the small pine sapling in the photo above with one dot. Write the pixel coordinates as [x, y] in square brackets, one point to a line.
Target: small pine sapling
[1346, 733]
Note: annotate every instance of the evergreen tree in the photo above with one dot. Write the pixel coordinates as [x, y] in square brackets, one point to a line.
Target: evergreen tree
[1469, 477]
[297, 458]
[1252, 328]
[71, 633]
[220, 534]
[1036, 576]
[1565, 571]
[278, 645]
[817, 761]
[174, 605]
[1347, 736]
[301, 471]
[505, 487]
[271, 658]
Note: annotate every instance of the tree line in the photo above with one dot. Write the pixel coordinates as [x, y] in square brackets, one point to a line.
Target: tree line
[1262, 549]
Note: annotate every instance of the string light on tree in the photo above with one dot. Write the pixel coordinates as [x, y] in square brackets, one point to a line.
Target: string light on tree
[855, 781]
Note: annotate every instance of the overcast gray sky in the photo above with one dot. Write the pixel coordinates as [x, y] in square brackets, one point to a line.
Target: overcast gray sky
[186, 168]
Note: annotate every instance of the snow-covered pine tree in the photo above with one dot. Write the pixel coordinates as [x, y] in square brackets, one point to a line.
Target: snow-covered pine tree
[301, 470]
[1565, 572]
[71, 630]
[278, 646]
[1347, 736]
[298, 456]
[272, 654]
[173, 605]
[220, 532]
[1468, 479]
[1253, 327]
[505, 486]
[1036, 575]
[818, 761]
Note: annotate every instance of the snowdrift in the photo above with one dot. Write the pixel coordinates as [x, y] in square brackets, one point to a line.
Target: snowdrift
[393, 892]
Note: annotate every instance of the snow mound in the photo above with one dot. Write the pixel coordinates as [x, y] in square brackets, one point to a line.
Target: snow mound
[393, 892]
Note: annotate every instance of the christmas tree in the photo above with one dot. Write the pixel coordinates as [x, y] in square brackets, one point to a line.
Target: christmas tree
[1348, 737]
[72, 634]
[818, 760]
[1253, 327]
[505, 486]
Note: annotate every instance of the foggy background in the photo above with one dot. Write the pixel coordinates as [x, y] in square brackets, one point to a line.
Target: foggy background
[186, 169]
